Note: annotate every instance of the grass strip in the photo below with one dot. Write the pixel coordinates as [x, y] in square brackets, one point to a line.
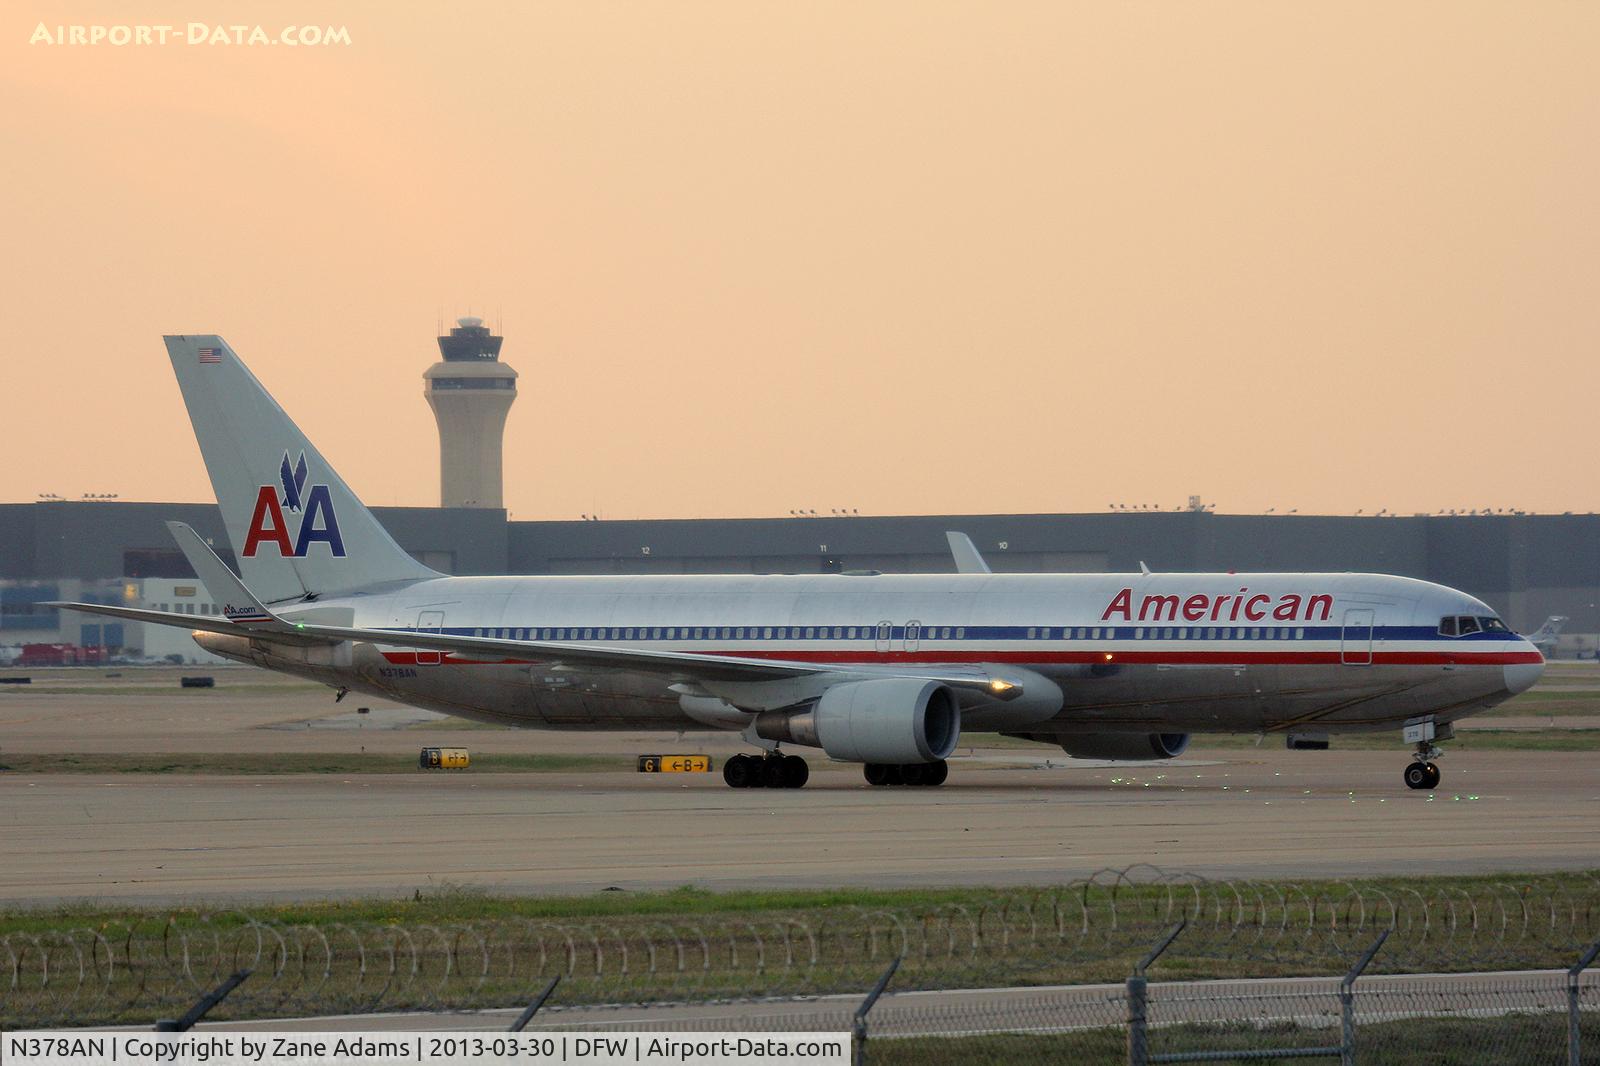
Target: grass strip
[296, 763]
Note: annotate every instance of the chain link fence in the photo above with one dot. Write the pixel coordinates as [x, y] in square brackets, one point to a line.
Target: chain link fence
[1029, 969]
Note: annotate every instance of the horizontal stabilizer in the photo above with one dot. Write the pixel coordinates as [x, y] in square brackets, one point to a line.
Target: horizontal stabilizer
[281, 632]
[238, 604]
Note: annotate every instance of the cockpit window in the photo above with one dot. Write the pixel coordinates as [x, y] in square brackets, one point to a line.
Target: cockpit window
[1467, 624]
[1447, 626]
[1494, 625]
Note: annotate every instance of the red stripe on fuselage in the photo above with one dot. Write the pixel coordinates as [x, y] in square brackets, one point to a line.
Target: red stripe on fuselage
[1035, 658]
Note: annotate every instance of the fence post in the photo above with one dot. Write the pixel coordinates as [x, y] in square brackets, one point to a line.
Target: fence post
[858, 1024]
[1347, 1002]
[1573, 976]
[207, 1001]
[533, 1008]
[1138, 1037]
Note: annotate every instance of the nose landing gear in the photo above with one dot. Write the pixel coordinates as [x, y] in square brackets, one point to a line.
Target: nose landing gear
[1423, 773]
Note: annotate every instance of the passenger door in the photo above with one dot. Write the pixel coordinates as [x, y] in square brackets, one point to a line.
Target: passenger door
[913, 634]
[429, 622]
[1355, 645]
[885, 630]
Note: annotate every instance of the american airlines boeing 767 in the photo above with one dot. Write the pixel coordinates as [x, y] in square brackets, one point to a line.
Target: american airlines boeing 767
[879, 669]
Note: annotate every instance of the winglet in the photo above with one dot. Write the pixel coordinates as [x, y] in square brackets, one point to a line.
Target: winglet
[1143, 569]
[968, 560]
[239, 604]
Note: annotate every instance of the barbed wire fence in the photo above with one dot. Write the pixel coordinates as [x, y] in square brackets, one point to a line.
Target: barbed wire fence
[141, 967]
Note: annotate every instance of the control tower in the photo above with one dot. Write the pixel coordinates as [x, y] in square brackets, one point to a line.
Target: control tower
[470, 391]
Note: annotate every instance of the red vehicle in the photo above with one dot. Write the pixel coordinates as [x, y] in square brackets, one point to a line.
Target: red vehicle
[60, 655]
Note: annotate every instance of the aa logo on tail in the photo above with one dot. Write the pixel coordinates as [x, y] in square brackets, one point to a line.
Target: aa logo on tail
[314, 506]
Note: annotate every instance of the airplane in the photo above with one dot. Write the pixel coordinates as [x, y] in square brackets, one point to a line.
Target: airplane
[884, 670]
[1544, 638]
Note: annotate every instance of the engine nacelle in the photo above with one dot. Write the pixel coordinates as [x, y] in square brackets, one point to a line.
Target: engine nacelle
[1133, 747]
[894, 720]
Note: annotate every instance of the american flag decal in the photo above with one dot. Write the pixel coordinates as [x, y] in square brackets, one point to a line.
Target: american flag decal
[210, 355]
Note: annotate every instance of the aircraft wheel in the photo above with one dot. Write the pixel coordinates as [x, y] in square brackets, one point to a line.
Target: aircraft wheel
[796, 771]
[741, 771]
[1433, 776]
[876, 773]
[896, 774]
[935, 773]
[914, 773]
[1418, 777]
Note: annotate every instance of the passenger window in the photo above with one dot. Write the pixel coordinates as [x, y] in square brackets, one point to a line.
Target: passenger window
[838, 632]
[852, 633]
[766, 634]
[1138, 634]
[811, 633]
[1300, 634]
[1467, 624]
[961, 632]
[1033, 633]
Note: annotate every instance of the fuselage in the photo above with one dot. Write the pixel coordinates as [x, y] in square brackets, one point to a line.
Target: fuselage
[1121, 652]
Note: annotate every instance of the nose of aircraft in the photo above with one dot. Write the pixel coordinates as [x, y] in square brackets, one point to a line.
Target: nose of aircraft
[1520, 677]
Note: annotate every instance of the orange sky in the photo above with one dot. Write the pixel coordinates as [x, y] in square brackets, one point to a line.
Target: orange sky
[899, 257]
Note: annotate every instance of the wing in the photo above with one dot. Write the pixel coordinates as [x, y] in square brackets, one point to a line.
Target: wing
[678, 665]
[247, 616]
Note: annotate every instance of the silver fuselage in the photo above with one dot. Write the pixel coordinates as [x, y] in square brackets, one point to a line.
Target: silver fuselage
[1116, 653]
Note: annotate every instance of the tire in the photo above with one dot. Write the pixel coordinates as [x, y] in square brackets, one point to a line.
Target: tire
[895, 774]
[796, 772]
[1417, 776]
[914, 773]
[738, 772]
[936, 774]
[1433, 776]
[876, 773]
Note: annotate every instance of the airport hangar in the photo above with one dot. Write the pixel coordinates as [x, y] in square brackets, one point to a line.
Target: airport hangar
[1526, 566]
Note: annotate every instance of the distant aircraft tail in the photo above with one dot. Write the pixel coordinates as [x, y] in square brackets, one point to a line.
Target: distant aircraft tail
[1548, 632]
[296, 527]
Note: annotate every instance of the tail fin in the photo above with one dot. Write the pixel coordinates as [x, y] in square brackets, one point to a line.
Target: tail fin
[296, 527]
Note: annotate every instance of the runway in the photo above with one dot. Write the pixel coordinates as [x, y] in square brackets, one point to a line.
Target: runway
[1249, 814]
[1005, 817]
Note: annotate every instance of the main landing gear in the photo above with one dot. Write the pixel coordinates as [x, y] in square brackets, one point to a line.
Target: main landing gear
[1423, 773]
[931, 774]
[773, 770]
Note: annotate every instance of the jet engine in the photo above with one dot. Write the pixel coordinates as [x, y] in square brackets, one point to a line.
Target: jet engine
[1131, 746]
[894, 720]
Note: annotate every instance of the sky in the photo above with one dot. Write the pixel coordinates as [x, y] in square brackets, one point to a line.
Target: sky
[919, 257]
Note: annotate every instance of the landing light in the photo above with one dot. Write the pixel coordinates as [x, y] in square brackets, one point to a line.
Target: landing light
[1108, 656]
[997, 685]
